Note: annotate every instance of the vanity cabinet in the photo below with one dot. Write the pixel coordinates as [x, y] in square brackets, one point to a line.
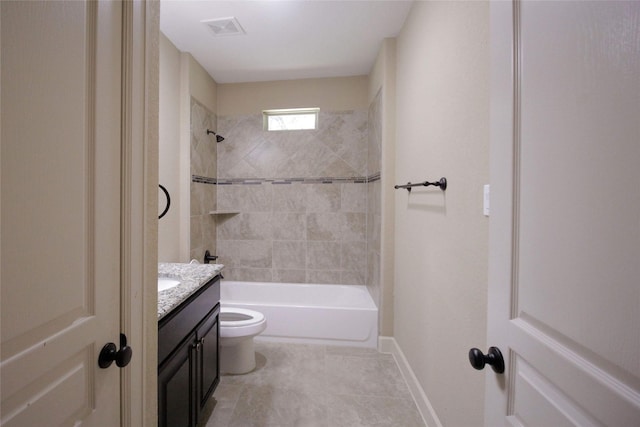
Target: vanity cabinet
[188, 350]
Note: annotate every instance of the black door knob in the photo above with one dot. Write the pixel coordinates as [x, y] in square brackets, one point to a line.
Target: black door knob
[110, 354]
[493, 358]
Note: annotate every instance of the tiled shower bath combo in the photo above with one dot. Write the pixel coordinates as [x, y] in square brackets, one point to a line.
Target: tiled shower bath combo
[305, 204]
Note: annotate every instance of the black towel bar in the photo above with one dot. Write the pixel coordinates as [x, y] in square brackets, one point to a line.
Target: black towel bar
[442, 183]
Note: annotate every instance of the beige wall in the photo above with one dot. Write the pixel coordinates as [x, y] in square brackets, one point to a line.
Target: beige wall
[201, 86]
[333, 94]
[441, 239]
[181, 77]
[169, 150]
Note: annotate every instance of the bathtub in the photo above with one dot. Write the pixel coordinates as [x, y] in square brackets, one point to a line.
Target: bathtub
[307, 313]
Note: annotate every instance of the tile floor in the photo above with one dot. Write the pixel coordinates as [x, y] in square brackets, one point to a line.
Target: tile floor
[297, 385]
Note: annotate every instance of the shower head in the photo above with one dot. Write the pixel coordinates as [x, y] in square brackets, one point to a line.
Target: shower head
[219, 138]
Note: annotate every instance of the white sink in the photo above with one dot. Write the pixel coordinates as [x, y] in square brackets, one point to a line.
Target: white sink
[165, 283]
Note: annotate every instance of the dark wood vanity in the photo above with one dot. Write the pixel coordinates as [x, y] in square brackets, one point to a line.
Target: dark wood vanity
[188, 362]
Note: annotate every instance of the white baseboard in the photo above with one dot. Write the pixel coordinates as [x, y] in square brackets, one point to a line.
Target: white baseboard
[389, 345]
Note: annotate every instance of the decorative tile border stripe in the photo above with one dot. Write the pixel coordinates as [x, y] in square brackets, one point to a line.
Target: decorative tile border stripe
[203, 179]
[280, 181]
[374, 177]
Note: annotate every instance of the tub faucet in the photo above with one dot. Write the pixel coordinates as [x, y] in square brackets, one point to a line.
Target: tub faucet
[208, 257]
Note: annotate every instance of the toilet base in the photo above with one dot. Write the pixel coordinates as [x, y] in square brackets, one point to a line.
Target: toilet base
[238, 358]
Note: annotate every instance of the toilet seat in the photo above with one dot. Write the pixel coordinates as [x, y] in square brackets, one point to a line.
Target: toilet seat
[240, 322]
[243, 317]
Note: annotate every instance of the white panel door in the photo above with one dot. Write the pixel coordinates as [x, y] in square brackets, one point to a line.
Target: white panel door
[564, 285]
[60, 211]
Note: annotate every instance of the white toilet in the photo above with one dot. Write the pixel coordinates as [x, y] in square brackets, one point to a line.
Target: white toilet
[238, 326]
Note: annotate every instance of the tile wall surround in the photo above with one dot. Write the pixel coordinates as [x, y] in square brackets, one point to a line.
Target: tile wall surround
[338, 148]
[204, 166]
[301, 197]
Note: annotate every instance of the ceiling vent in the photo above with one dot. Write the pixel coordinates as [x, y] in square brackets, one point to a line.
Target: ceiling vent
[224, 27]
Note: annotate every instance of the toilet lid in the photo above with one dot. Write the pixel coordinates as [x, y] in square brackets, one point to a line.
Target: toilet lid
[237, 317]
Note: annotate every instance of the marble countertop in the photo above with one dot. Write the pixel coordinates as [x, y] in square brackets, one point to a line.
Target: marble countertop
[191, 277]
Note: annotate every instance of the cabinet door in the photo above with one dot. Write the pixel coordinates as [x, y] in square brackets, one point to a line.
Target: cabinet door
[208, 363]
[176, 387]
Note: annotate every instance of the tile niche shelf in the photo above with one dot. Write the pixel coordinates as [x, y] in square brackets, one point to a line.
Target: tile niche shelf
[223, 212]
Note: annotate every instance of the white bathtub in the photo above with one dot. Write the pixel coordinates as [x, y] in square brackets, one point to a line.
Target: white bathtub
[308, 313]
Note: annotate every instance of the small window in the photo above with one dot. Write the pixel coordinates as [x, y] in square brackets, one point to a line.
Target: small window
[291, 119]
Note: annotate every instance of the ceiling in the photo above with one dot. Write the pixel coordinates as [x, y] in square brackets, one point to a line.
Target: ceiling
[285, 39]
